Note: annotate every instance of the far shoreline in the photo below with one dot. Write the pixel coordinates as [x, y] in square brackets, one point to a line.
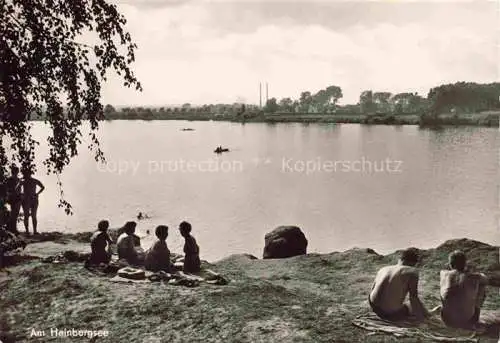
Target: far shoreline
[482, 119]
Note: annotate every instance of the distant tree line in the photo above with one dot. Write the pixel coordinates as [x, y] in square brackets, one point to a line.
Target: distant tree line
[150, 113]
[464, 97]
[460, 97]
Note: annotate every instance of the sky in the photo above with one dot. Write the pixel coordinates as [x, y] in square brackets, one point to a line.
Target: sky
[218, 51]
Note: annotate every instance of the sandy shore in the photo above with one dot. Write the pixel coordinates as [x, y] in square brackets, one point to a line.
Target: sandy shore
[311, 298]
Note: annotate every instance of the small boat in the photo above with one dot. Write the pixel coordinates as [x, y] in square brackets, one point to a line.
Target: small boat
[142, 216]
[220, 150]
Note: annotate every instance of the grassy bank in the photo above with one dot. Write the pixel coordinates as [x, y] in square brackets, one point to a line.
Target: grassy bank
[310, 298]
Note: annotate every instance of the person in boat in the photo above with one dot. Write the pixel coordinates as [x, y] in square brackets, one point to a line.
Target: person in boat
[13, 198]
[30, 199]
[462, 293]
[220, 149]
[100, 242]
[392, 284]
[141, 216]
[158, 256]
[128, 245]
[191, 249]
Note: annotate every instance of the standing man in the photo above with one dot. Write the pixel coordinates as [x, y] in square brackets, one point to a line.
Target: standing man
[462, 293]
[30, 199]
[13, 196]
[392, 284]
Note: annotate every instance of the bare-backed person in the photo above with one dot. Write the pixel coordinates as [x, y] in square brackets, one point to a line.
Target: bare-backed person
[158, 256]
[462, 293]
[99, 241]
[192, 263]
[392, 284]
[128, 244]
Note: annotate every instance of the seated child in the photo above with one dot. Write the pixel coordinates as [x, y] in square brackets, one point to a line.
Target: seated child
[191, 249]
[127, 244]
[99, 241]
[158, 256]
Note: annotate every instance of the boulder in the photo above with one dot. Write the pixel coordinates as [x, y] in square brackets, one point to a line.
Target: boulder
[285, 241]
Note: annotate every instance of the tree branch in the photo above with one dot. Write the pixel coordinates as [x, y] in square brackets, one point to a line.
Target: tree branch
[23, 27]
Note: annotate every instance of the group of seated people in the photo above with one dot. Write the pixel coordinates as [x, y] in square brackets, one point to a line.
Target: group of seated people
[155, 259]
[462, 292]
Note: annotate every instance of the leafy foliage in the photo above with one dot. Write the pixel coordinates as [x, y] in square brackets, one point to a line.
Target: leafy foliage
[286, 104]
[465, 96]
[305, 100]
[366, 101]
[46, 72]
[326, 99]
[271, 106]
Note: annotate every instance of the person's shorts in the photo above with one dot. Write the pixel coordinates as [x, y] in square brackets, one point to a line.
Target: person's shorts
[401, 314]
[465, 325]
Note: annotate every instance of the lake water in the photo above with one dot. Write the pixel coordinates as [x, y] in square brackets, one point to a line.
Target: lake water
[382, 187]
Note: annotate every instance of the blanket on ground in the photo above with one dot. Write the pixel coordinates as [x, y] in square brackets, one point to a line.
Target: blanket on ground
[432, 329]
[178, 279]
[115, 266]
[67, 256]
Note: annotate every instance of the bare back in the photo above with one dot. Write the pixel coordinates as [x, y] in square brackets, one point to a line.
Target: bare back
[459, 293]
[392, 284]
[125, 247]
[99, 241]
